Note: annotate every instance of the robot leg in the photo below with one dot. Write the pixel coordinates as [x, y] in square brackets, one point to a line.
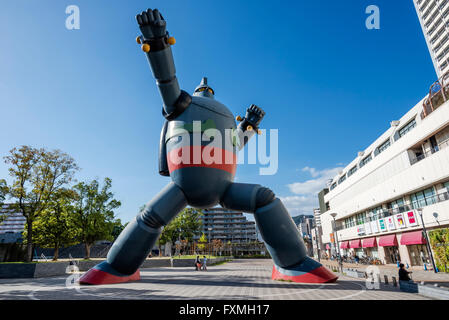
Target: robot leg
[279, 233]
[133, 245]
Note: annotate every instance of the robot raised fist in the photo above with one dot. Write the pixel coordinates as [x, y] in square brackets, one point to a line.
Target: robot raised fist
[202, 174]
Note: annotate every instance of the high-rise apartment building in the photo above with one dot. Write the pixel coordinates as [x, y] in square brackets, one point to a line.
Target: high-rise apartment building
[434, 18]
[228, 225]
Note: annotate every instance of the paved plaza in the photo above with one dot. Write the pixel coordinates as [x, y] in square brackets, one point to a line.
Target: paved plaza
[238, 279]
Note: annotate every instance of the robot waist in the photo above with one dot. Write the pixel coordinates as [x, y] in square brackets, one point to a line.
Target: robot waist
[202, 156]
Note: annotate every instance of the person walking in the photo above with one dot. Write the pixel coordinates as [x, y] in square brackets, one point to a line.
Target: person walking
[197, 263]
[403, 274]
[204, 263]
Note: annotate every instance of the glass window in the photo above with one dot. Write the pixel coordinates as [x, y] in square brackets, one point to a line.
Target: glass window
[365, 161]
[333, 185]
[409, 126]
[342, 178]
[446, 185]
[375, 213]
[396, 203]
[361, 218]
[383, 146]
[423, 198]
[352, 171]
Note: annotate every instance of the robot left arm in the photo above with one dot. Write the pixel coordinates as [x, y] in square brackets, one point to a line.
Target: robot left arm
[249, 125]
[156, 44]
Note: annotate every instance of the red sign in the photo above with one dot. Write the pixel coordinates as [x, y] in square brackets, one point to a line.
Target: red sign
[411, 218]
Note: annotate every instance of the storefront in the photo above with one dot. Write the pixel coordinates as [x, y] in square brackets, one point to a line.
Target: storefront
[344, 246]
[390, 245]
[357, 246]
[416, 246]
[370, 247]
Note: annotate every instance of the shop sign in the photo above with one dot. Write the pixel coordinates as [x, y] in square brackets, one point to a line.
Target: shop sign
[360, 230]
[411, 219]
[400, 222]
[382, 225]
[390, 223]
[374, 227]
[368, 228]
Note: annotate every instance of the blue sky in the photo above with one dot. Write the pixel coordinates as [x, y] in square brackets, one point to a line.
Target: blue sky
[326, 82]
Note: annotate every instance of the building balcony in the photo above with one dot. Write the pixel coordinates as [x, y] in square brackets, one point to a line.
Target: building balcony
[423, 155]
[438, 94]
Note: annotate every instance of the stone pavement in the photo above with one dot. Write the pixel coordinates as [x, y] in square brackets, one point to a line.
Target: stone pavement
[238, 279]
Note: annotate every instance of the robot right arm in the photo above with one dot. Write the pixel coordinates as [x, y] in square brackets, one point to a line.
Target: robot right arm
[156, 43]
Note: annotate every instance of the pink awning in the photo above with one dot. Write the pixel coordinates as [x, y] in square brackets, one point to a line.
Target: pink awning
[344, 245]
[369, 242]
[415, 237]
[355, 244]
[388, 241]
[328, 247]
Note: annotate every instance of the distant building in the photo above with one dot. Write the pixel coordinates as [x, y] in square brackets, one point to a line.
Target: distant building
[12, 226]
[317, 232]
[227, 225]
[305, 226]
[434, 19]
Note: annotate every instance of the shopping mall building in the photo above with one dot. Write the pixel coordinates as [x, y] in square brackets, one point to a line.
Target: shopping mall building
[378, 197]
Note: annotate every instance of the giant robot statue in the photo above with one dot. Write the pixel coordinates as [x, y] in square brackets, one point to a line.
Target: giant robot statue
[202, 173]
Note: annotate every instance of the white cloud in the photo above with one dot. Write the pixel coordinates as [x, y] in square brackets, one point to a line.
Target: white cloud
[313, 186]
[312, 171]
[306, 192]
[300, 204]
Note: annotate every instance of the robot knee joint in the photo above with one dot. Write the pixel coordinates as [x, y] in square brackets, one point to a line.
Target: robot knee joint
[151, 219]
[264, 196]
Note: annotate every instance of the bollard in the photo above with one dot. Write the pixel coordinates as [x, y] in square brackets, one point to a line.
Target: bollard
[395, 284]
[378, 278]
[386, 279]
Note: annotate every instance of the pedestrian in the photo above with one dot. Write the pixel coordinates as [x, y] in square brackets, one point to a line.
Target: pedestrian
[356, 258]
[204, 263]
[403, 274]
[197, 263]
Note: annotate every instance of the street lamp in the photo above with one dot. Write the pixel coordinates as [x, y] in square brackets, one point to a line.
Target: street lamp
[317, 242]
[340, 262]
[210, 229]
[427, 240]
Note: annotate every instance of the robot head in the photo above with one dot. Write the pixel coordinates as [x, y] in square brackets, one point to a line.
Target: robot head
[203, 90]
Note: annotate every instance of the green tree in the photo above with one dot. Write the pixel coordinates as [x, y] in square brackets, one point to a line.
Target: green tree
[54, 227]
[94, 212]
[439, 240]
[202, 242]
[118, 228]
[37, 175]
[3, 193]
[185, 226]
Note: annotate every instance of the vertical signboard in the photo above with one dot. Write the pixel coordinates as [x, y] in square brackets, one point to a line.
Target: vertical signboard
[368, 228]
[374, 227]
[400, 221]
[390, 223]
[360, 230]
[382, 225]
[411, 219]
